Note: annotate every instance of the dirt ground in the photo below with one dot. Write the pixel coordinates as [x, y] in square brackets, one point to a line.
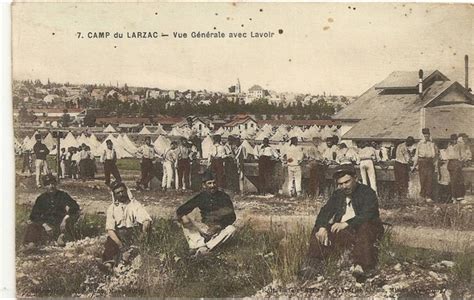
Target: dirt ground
[398, 279]
[94, 198]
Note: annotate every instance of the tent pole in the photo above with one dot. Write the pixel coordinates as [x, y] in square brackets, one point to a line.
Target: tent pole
[58, 153]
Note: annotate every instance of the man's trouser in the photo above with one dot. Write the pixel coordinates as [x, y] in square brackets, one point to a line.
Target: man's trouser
[111, 168]
[112, 251]
[456, 178]
[184, 167]
[367, 171]
[41, 169]
[62, 172]
[168, 174]
[196, 240]
[265, 170]
[294, 173]
[35, 232]
[217, 166]
[147, 171]
[232, 174]
[362, 240]
[426, 171]
[401, 172]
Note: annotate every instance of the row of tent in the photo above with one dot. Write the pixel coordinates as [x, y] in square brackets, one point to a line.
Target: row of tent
[277, 134]
[123, 145]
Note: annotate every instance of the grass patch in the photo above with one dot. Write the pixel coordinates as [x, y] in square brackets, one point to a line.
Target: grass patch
[131, 164]
[237, 269]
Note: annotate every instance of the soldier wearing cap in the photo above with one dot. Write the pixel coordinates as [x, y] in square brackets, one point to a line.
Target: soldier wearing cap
[403, 161]
[349, 220]
[426, 160]
[217, 213]
[53, 215]
[41, 152]
[109, 159]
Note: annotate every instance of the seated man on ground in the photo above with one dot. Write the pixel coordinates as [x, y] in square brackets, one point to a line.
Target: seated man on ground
[217, 213]
[52, 217]
[126, 220]
[349, 220]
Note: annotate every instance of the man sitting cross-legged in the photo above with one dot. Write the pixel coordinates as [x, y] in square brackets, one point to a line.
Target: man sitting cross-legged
[217, 212]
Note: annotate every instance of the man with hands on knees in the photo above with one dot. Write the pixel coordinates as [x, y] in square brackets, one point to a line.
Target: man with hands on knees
[126, 220]
[349, 220]
[53, 216]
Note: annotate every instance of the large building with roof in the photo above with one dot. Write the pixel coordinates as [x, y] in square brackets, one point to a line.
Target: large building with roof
[405, 102]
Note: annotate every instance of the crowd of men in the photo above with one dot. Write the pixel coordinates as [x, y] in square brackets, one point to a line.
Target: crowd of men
[439, 164]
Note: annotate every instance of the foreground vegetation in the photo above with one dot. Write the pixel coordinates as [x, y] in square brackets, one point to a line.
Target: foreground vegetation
[243, 266]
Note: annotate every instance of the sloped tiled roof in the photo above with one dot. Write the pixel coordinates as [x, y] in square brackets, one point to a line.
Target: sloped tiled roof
[404, 79]
[391, 116]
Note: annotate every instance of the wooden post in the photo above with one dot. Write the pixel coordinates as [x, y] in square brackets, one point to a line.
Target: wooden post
[58, 155]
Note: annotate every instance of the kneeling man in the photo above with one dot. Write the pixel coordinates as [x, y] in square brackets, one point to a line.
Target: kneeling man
[217, 213]
[53, 216]
[126, 219]
[349, 220]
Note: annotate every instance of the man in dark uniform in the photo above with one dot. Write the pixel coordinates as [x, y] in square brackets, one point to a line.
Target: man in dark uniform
[403, 161]
[109, 159]
[266, 161]
[349, 220]
[217, 213]
[54, 214]
[41, 152]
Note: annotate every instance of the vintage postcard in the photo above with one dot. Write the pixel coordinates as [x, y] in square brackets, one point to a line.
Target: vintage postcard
[215, 150]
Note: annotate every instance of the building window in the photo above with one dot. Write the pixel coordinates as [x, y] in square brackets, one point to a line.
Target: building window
[246, 126]
[200, 126]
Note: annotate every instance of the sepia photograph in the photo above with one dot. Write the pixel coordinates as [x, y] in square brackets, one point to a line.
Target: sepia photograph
[242, 150]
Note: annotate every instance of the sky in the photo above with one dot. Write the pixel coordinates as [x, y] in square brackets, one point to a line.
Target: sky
[336, 48]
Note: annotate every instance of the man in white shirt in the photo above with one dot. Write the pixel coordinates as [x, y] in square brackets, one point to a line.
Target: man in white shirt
[294, 158]
[125, 216]
[109, 159]
[147, 154]
[217, 155]
[169, 163]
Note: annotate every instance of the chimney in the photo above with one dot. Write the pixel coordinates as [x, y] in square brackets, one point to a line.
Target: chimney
[466, 70]
[420, 81]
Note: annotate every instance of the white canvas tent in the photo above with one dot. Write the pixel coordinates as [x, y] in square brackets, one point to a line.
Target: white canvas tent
[127, 143]
[118, 146]
[49, 141]
[261, 135]
[161, 144]
[69, 141]
[248, 147]
[176, 132]
[160, 130]
[145, 130]
[277, 137]
[93, 143]
[110, 129]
